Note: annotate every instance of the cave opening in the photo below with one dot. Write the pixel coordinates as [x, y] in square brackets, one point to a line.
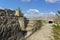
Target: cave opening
[50, 22]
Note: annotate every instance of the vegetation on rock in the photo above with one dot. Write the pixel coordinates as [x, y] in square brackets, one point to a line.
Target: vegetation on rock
[56, 31]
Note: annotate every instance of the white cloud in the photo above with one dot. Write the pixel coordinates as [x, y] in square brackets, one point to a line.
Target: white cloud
[25, 0]
[5, 8]
[32, 13]
[52, 13]
[2, 8]
[52, 1]
[36, 13]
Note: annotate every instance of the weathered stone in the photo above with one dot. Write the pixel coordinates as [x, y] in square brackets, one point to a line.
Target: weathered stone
[10, 28]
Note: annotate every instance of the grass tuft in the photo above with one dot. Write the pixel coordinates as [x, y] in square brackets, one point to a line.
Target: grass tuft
[56, 31]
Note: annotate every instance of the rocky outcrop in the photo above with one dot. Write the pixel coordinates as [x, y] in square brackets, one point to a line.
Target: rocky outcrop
[14, 26]
[10, 28]
[11, 25]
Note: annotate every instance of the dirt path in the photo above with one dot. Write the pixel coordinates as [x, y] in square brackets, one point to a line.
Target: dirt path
[43, 34]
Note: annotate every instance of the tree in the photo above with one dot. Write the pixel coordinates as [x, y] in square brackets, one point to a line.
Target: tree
[58, 17]
[58, 13]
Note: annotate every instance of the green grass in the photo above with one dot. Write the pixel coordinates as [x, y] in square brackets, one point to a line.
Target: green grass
[56, 31]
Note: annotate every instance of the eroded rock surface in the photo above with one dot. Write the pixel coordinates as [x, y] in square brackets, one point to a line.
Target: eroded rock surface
[10, 28]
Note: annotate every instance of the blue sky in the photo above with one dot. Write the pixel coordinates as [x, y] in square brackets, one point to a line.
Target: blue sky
[43, 6]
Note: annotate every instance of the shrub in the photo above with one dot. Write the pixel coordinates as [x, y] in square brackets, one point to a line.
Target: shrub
[56, 31]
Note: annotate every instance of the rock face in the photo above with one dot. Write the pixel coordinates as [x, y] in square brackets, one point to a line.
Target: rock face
[10, 28]
[9, 25]
[13, 26]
